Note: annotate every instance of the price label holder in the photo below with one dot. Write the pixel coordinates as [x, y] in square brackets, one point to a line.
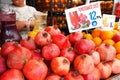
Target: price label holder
[108, 22]
[84, 17]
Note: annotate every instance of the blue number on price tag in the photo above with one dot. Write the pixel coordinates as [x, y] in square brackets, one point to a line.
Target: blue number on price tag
[93, 18]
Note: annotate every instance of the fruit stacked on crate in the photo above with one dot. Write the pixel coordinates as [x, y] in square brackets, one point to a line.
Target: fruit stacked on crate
[51, 55]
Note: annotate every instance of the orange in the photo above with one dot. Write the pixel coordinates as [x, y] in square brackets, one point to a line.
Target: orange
[88, 36]
[96, 32]
[115, 31]
[116, 25]
[83, 33]
[109, 41]
[97, 41]
[106, 34]
[118, 56]
[117, 46]
[32, 34]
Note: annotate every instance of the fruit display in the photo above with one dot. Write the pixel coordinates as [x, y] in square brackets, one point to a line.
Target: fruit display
[52, 55]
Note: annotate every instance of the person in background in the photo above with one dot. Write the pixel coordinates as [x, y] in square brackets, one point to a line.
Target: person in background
[24, 13]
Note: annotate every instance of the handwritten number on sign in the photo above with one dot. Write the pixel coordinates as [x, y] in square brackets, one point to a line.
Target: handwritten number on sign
[93, 18]
[92, 15]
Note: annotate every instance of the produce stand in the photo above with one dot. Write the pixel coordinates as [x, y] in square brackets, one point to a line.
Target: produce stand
[55, 52]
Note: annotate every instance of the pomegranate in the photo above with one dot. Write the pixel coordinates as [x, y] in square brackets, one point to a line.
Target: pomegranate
[75, 36]
[60, 65]
[18, 57]
[84, 46]
[36, 55]
[42, 38]
[61, 41]
[53, 77]
[7, 47]
[107, 52]
[115, 64]
[94, 75]
[50, 51]
[28, 43]
[73, 75]
[96, 56]
[68, 53]
[3, 66]
[35, 70]
[66, 44]
[105, 70]
[53, 30]
[84, 64]
[12, 74]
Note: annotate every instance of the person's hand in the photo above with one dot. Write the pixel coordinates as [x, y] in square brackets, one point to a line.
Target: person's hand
[23, 25]
[32, 23]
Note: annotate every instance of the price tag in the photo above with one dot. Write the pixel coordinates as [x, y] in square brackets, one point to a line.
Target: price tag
[108, 21]
[84, 17]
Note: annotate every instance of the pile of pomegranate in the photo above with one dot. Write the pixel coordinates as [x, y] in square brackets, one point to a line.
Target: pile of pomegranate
[51, 55]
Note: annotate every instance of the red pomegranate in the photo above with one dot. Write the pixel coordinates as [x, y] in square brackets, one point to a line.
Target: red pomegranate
[3, 66]
[84, 46]
[73, 75]
[18, 57]
[115, 64]
[36, 55]
[105, 70]
[66, 44]
[12, 74]
[84, 64]
[107, 52]
[7, 47]
[53, 30]
[35, 70]
[61, 41]
[68, 53]
[96, 56]
[53, 77]
[42, 38]
[94, 75]
[60, 65]
[28, 43]
[50, 51]
[74, 37]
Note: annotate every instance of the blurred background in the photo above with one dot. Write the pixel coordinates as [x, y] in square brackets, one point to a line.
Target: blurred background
[55, 8]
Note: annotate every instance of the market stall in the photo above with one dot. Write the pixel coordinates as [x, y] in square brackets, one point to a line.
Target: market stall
[71, 40]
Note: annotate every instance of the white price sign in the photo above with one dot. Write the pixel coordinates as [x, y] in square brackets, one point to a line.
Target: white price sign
[84, 17]
[108, 21]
